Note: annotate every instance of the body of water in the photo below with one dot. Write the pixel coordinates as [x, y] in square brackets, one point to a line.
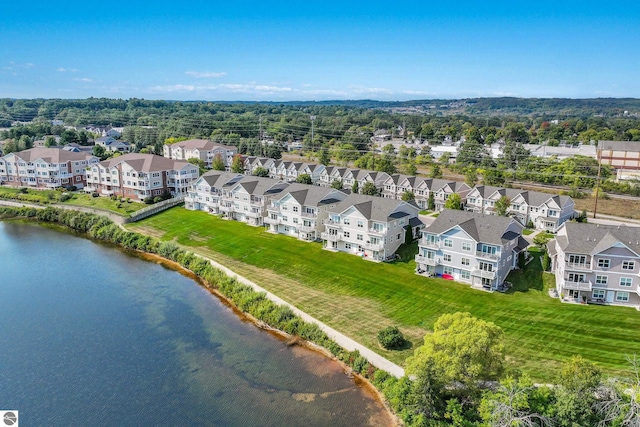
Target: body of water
[91, 335]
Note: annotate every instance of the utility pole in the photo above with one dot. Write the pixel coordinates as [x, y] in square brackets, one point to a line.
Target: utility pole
[599, 157]
[261, 139]
[313, 118]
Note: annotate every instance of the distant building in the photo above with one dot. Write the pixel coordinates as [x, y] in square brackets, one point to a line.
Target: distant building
[202, 149]
[623, 156]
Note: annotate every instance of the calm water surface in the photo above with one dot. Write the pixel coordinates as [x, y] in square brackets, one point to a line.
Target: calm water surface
[90, 335]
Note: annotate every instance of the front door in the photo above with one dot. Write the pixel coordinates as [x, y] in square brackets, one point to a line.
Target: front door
[610, 295]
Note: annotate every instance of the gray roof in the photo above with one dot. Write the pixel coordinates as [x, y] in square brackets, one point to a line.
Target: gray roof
[314, 196]
[372, 207]
[619, 145]
[259, 186]
[482, 228]
[51, 155]
[591, 239]
[201, 144]
[221, 178]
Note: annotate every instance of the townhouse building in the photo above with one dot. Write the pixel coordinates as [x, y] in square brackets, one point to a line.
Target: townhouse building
[112, 145]
[470, 247]
[45, 168]
[301, 210]
[597, 263]
[138, 176]
[202, 149]
[206, 193]
[247, 200]
[369, 226]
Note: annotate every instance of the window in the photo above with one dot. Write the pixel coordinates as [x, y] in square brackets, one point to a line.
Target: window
[346, 221]
[465, 275]
[604, 263]
[577, 259]
[295, 208]
[346, 234]
[295, 220]
[466, 246]
[622, 296]
[398, 236]
[602, 280]
[360, 224]
[576, 278]
[628, 265]
[447, 257]
[598, 294]
[626, 281]
[284, 218]
[359, 237]
[347, 245]
[448, 243]
[447, 270]
[465, 261]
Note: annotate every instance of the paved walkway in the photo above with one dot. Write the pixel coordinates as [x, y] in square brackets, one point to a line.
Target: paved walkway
[344, 341]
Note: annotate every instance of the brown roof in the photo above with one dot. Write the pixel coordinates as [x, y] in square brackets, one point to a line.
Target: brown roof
[145, 162]
[51, 155]
[202, 144]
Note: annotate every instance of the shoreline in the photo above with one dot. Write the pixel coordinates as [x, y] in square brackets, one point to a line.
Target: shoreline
[289, 339]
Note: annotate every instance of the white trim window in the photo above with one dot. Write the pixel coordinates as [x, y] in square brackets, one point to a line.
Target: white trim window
[465, 274]
[601, 280]
[466, 246]
[628, 265]
[446, 257]
[465, 261]
[598, 294]
[622, 296]
[626, 281]
[448, 243]
[604, 263]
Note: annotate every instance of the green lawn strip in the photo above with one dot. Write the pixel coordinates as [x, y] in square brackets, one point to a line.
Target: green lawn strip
[527, 231]
[540, 331]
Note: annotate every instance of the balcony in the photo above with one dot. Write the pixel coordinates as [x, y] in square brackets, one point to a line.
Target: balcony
[428, 244]
[226, 208]
[374, 246]
[488, 255]
[253, 214]
[331, 237]
[577, 266]
[377, 232]
[307, 228]
[420, 259]
[484, 273]
[579, 286]
[308, 215]
[272, 221]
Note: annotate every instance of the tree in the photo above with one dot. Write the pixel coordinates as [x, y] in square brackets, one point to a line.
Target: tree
[25, 142]
[200, 163]
[337, 184]
[391, 338]
[618, 401]
[408, 195]
[453, 202]
[260, 171]
[471, 176]
[410, 168]
[431, 201]
[436, 172]
[99, 151]
[492, 177]
[304, 178]
[576, 392]
[516, 403]
[324, 158]
[354, 187]
[50, 142]
[462, 350]
[370, 189]
[237, 165]
[218, 164]
[502, 206]
[69, 136]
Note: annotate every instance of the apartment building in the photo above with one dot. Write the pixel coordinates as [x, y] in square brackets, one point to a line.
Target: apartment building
[300, 211]
[371, 227]
[202, 149]
[138, 176]
[470, 247]
[206, 193]
[45, 168]
[597, 263]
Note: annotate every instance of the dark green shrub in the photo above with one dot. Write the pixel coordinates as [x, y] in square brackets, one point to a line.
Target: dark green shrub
[157, 199]
[391, 338]
[148, 200]
[95, 194]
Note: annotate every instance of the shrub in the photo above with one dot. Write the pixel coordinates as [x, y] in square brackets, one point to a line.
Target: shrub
[64, 197]
[148, 200]
[23, 190]
[157, 199]
[95, 194]
[391, 338]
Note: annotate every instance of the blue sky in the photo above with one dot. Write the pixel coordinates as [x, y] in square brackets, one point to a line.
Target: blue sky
[295, 50]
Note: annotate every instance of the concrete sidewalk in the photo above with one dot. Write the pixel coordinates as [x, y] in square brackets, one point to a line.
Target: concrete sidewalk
[344, 341]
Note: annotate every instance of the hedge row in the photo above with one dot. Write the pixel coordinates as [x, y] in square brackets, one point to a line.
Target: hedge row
[243, 296]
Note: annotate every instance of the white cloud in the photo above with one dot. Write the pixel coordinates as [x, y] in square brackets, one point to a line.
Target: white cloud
[67, 70]
[84, 80]
[205, 74]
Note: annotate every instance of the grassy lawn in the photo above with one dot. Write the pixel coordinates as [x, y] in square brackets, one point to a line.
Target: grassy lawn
[359, 297]
[618, 207]
[527, 231]
[77, 199]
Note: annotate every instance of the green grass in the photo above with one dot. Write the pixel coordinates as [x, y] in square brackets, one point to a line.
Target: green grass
[77, 199]
[359, 297]
[527, 231]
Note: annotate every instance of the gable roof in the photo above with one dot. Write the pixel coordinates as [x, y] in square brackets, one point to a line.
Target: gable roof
[592, 239]
[145, 162]
[481, 228]
[51, 155]
[375, 208]
[201, 144]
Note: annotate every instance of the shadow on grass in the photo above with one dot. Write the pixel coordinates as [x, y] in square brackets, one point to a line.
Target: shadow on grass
[406, 253]
[528, 278]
